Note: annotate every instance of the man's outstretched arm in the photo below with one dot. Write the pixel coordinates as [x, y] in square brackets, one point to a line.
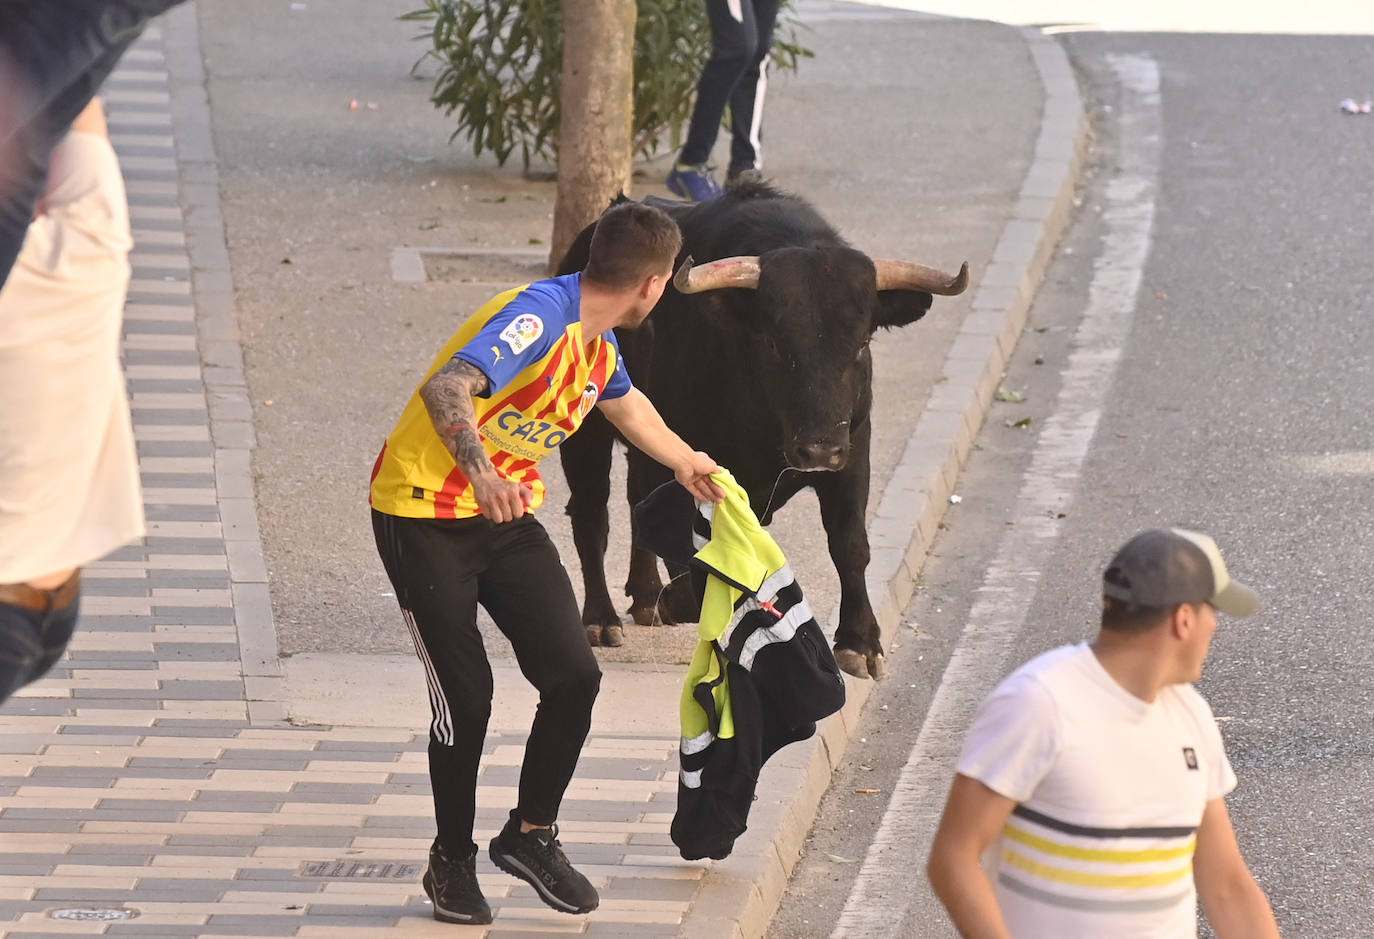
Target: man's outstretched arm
[635, 416]
[448, 398]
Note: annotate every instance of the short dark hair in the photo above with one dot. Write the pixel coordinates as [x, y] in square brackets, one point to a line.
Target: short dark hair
[1120, 616]
[631, 241]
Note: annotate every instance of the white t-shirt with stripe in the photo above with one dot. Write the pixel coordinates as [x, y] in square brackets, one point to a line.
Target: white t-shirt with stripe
[1111, 790]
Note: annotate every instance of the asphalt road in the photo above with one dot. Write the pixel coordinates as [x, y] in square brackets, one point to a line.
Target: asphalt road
[1239, 405]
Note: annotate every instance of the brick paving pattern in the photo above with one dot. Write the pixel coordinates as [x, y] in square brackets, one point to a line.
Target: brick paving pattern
[138, 776]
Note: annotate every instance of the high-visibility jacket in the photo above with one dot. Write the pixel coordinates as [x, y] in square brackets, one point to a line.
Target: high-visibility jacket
[762, 673]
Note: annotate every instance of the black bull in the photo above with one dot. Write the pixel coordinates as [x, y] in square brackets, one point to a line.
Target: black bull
[762, 361]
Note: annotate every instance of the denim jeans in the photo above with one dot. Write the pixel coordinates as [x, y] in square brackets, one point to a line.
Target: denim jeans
[56, 55]
[31, 641]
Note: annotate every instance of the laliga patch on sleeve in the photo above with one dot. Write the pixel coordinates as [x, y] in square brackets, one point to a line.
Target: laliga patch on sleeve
[522, 332]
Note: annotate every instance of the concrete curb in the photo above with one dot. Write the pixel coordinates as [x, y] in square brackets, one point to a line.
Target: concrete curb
[221, 354]
[739, 895]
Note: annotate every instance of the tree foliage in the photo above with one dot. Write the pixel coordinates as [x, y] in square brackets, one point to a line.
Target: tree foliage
[500, 67]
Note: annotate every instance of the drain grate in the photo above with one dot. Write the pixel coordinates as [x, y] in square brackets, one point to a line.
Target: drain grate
[362, 870]
[92, 914]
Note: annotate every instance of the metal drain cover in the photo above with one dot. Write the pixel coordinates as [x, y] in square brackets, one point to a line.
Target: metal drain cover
[362, 870]
[92, 915]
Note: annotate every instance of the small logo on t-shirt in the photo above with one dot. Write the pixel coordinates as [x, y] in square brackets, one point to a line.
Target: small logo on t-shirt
[1190, 757]
[522, 331]
[588, 400]
[496, 355]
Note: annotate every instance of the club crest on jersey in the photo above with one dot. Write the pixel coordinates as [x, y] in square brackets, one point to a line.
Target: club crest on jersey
[522, 331]
[588, 400]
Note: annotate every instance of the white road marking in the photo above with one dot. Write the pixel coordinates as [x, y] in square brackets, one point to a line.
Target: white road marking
[883, 890]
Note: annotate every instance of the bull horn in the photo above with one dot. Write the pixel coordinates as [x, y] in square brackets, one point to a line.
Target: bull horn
[742, 271]
[903, 275]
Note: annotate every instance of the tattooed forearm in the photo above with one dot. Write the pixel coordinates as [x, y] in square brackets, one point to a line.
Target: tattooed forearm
[448, 398]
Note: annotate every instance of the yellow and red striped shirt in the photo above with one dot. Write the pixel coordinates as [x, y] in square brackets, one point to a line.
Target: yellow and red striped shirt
[544, 377]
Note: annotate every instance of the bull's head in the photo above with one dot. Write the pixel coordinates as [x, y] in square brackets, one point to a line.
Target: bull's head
[812, 317]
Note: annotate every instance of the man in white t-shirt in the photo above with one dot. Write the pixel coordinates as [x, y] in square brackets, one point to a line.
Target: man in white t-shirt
[69, 484]
[1097, 774]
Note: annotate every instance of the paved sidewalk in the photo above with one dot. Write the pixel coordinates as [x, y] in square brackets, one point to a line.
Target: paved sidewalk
[153, 773]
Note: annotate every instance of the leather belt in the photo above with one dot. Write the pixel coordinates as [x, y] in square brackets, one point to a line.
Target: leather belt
[41, 601]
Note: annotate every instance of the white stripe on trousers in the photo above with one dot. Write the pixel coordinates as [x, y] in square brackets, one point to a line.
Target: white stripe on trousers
[441, 727]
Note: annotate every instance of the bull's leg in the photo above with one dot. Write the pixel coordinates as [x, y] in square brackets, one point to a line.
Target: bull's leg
[644, 587]
[843, 498]
[586, 459]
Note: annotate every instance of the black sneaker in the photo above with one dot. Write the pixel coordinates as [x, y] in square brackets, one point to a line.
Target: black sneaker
[537, 858]
[743, 175]
[452, 887]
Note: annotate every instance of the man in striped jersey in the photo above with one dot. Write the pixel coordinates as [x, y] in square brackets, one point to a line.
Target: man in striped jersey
[1098, 773]
[452, 498]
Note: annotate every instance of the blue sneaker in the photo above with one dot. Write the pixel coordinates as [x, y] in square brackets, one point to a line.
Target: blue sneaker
[693, 182]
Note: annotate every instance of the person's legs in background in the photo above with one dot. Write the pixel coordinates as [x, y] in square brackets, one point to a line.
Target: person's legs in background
[746, 101]
[733, 41]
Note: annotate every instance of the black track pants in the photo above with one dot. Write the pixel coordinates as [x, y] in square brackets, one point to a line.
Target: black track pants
[441, 569]
[737, 75]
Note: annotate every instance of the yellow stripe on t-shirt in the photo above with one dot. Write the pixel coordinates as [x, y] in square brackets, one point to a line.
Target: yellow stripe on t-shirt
[1086, 879]
[1107, 855]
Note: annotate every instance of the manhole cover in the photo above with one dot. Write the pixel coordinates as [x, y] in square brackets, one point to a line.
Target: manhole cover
[93, 914]
[362, 870]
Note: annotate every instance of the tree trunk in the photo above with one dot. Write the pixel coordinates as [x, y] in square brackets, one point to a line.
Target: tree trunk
[597, 101]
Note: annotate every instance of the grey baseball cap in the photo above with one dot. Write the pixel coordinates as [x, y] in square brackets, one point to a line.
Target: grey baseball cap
[1169, 566]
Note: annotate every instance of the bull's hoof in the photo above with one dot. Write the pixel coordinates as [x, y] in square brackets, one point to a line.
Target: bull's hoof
[613, 636]
[645, 615]
[593, 636]
[860, 665]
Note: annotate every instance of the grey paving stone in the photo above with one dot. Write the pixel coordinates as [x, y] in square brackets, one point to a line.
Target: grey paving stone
[147, 224]
[274, 875]
[107, 665]
[622, 769]
[29, 865]
[400, 823]
[163, 386]
[115, 703]
[46, 707]
[348, 756]
[196, 652]
[165, 274]
[170, 762]
[222, 802]
[8, 790]
[152, 805]
[151, 150]
[94, 781]
[106, 655]
[157, 328]
[115, 588]
[128, 853]
[347, 913]
[408, 779]
[651, 888]
[202, 725]
[359, 790]
[186, 690]
[620, 930]
[279, 760]
[51, 825]
[175, 447]
[588, 811]
[169, 931]
[162, 357]
[284, 836]
[384, 746]
[93, 815]
[196, 615]
[84, 773]
[82, 696]
[285, 925]
[210, 580]
[144, 772]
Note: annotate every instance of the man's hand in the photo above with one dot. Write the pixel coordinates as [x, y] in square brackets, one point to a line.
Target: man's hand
[695, 477]
[501, 499]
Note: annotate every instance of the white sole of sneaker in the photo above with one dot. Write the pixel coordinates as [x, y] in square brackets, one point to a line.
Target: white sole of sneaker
[513, 867]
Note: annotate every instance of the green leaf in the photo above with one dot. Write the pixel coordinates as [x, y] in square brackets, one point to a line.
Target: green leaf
[1014, 397]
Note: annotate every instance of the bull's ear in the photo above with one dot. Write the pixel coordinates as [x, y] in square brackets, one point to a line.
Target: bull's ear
[900, 308]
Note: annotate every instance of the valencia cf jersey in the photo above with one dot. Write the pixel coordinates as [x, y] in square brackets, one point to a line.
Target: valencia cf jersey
[543, 378]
